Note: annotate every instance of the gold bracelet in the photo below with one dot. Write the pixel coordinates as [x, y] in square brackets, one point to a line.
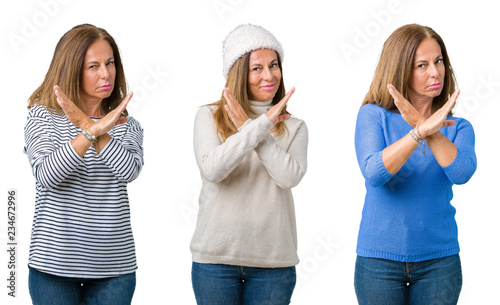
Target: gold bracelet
[418, 132]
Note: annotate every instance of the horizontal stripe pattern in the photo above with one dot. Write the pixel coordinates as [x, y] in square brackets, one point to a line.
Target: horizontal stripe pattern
[81, 227]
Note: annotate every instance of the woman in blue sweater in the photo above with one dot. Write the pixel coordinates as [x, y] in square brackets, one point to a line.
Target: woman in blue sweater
[411, 151]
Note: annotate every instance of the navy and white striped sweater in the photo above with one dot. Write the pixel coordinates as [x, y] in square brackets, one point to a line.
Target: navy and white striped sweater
[81, 227]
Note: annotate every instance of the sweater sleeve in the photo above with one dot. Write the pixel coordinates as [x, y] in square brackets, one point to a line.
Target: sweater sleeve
[465, 163]
[124, 156]
[369, 143]
[217, 160]
[286, 167]
[50, 164]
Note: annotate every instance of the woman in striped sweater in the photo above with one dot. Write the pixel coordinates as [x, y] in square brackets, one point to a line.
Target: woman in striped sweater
[83, 149]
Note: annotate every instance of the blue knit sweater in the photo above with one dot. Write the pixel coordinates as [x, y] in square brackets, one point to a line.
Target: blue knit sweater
[408, 216]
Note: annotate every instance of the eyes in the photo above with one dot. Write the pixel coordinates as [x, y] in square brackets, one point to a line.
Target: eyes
[423, 65]
[273, 65]
[96, 65]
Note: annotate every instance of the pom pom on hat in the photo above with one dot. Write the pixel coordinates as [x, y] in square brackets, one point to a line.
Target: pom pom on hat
[246, 38]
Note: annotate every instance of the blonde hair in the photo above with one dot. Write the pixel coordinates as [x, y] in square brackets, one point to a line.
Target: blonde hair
[237, 82]
[396, 63]
[66, 68]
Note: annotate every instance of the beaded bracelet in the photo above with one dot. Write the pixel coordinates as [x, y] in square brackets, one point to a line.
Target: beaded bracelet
[416, 136]
[91, 138]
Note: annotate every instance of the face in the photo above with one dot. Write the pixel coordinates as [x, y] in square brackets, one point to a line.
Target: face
[264, 75]
[428, 71]
[98, 72]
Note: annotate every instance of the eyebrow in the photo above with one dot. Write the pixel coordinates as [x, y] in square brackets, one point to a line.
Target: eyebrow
[259, 64]
[424, 61]
[96, 62]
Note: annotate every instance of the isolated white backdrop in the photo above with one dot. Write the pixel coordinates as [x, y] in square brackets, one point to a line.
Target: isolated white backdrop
[172, 57]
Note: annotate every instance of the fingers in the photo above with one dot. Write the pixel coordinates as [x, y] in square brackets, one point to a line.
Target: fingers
[285, 99]
[284, 117]
[60, 96]
[121, 121]
[229, 111]
[118, 111]
[124, 103]
[230, 99]
[234, 109]
[231, 102]
[448, 123]
[395, 94]
[399, 100]
[446, 108]
[453, 99]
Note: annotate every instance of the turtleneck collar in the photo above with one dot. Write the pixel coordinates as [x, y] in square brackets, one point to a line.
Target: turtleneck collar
[260, 107]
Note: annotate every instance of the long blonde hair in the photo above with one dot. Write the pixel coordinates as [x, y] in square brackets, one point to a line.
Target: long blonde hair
[237, 82]
[396, 63]
[66, 68]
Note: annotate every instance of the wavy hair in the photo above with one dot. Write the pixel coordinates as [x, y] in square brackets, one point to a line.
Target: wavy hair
[237, 82]
[65, 70]
[396, 63]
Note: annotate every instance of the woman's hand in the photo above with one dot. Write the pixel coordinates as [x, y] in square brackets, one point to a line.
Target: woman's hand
[234, 109]
[274, 114]
[239, 117]
[73, 113]
[82, 121]
[426, 127]
[438, 119]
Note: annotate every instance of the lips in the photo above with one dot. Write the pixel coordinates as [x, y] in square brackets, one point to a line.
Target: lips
[435, 85]
[105, 87]
[268, 87]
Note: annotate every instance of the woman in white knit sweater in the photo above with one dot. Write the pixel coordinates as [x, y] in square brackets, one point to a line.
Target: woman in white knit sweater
[250, 152]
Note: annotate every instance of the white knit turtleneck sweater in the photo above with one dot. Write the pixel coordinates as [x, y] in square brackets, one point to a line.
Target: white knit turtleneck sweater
[246, 215]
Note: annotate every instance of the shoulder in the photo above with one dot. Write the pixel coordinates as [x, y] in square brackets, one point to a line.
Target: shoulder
[39, 111]
[133, 122]
[131, 126]
[206, 110]
[460, 121]
[373, 113]
[461, 124]
[372, 109]
[40, 114]
[205, 114]
[295, 123]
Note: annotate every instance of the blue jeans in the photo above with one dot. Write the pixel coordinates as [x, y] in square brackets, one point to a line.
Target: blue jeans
[234, 285]
[386, 282]
[47, 289]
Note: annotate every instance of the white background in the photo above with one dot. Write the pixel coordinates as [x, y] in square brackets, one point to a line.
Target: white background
[173, 61]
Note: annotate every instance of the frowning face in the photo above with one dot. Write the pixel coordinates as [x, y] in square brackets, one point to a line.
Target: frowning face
[98, 72]
[428, 71]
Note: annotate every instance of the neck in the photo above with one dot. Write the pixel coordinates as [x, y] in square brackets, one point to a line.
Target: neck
[423, 104]
[92, 108]
[260, 107]
[423, 107]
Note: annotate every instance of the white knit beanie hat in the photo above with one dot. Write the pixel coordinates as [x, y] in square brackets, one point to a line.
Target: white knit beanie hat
[246, 38]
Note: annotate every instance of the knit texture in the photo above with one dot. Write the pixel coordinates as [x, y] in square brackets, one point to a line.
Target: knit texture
[408, 216]
[247, 38]
[247, 215]
[81, 227]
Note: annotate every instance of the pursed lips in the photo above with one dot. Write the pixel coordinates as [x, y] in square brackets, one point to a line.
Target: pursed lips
[268, 87]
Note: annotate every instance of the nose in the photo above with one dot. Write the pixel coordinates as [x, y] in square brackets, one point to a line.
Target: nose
[433, 70]
[104, 71]
[266, 74]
